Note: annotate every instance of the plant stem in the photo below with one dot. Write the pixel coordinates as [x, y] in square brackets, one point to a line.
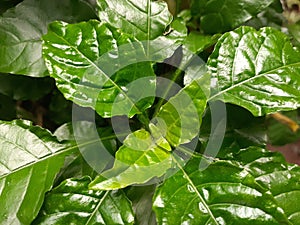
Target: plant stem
[162, 99]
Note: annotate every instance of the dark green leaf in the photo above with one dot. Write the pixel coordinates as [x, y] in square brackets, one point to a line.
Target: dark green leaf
[7, 108]
[6, 4]
[73, 56]
[242, 129]
[79, 205]
[25, 88]
[270, 17]
[272, 172]
[194, 67]
[145, 19]
[258, 70]
[141, 197]
[219, 16]
[22, 27]
[30, 158]
[89, 161]
[59, 109]
[227, 192]
[141, 158]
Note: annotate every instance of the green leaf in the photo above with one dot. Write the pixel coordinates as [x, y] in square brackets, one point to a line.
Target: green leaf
[73, 56]
[227, 192]
[25, 88]
[22, 27]
[141, 198]
[30, 158]
[270, 17]
[141, 158]
[294, 30]
[197, 42]
[79, 205]
[271, 171]
[219, 16]
[145, 19]
[89, 160]
[59, 109]
[34, 161]
[242, 129]
[258, 70]
[194, 67]
[7, 108]
[180, 118]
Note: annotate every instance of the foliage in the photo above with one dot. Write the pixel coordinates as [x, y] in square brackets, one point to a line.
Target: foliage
[118, 112]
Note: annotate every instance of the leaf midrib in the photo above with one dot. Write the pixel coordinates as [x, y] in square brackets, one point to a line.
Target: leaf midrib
[55, 154]
[99, 70]
[97, 208]
[186, 176]
[253, 78]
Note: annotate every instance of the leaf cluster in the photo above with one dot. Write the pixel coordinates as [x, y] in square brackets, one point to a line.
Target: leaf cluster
[119, 112]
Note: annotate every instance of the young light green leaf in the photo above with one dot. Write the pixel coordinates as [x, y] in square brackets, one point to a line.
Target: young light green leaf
[73, 55]
[79, 205]
[180, 118]
[258, 70]
[141, 158]
[144, 19]
[30, 158]
[227, 193]
[222, 15]
[22, 27]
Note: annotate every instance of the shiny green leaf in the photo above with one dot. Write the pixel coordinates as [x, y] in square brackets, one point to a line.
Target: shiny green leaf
[28, 166]
[141, 158]
[79, 205]
[227, 192]
[89, 160]
[180, 118]
[30, 158]
[73, 56]
[272, 172]
[257, 70]
[22, 27]
[217, 16]
[145, 19]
